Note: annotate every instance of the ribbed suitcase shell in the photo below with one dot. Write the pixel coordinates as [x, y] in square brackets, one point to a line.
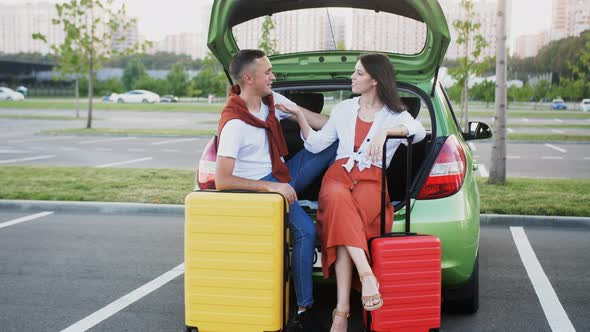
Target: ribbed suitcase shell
[408, 268]
[234, 261]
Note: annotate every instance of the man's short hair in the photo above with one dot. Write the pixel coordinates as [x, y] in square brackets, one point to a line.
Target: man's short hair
[241, 60]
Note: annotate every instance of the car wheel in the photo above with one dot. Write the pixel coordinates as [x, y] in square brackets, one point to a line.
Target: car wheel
[465, 299]
[8, 98]
[120, 101]
[145, 101]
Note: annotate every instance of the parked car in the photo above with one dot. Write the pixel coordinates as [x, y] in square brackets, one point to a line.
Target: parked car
[110, 98]
[137, 96]
[445, 200]
[558, 104]
[585, 105]
[168, 99]
[9, 94]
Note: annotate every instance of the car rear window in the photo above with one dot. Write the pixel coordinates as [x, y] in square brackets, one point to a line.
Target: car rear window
[324, 29]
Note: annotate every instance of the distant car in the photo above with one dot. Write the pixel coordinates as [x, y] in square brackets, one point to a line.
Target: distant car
[110, 98]
[585, 105]
[558, 104]
[168, 99]
[137, 96]
[9, 94]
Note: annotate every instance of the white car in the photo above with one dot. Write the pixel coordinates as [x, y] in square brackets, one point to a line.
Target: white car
[9, 94]
[137, 96]
[585, 105]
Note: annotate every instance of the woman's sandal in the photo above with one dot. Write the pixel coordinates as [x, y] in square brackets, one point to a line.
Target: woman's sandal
[342, 314]
[370, 299]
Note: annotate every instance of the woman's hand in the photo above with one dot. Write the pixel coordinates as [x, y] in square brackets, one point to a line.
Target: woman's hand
[376, 146]
[291, 109]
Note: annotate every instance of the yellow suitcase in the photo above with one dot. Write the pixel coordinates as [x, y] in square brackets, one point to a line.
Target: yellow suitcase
[236, 272]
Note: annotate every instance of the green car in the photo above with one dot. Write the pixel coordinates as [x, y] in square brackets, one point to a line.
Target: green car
[316, 74]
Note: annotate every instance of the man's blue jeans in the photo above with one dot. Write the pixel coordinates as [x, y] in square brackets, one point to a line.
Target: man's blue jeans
[304, 168]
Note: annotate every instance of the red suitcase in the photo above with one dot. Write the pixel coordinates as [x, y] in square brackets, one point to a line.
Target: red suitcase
[408, 268]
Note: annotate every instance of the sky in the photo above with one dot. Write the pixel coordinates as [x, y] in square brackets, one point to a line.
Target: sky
[158, 18]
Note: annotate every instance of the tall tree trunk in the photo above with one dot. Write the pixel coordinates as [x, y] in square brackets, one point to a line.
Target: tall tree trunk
[465, 104]
[498, 169]
[77, 92]
[90, 95]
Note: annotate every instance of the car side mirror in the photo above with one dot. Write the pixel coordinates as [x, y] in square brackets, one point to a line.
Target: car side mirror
[477, 130]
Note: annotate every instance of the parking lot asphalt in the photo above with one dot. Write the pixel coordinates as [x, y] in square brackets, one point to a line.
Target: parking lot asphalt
[60, 269]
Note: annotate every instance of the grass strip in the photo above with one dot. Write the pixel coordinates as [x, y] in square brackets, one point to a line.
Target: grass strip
[527, 196]
[555, 197]
[40, 117]
[549, 137]
[166, 186]
[132, 132]
[47, 104]
[554, 126]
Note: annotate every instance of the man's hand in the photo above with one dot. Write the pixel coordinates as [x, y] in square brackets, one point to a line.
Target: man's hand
[284, 189]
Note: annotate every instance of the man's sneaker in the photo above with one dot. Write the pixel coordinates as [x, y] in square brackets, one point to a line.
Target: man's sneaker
[300, 322]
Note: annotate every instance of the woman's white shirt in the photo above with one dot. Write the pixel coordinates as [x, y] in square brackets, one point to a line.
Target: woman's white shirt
[342, 124]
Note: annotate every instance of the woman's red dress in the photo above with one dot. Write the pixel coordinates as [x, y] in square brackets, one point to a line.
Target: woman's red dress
[350, 205]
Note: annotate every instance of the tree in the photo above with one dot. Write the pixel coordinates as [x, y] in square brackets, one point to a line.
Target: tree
[268, 45]
[484, 91]
[498, 169]
[541, 90]
[133, 72]
[91, 27]
[211, 79]
[468, 64]
[178, 80]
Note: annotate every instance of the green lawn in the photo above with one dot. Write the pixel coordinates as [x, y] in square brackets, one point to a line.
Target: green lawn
[66, 104]
[568, 197]
[551, 126]
[549, 137]
[132, 131]
[553, 197]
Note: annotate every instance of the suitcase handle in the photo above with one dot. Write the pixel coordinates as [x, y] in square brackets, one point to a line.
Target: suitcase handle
[410, 140]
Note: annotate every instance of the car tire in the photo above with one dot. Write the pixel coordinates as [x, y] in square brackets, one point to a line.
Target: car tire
[8, 98]
[145, 101]
[120, 101]
[464, 299]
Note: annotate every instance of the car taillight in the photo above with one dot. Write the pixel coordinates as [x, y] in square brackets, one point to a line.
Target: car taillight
[206, 170]
[448, 172]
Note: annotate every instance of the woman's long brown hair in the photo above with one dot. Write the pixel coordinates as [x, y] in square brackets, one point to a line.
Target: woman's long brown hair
[381, 70]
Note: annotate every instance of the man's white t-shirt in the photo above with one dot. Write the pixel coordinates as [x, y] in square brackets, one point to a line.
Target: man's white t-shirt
[248, 145]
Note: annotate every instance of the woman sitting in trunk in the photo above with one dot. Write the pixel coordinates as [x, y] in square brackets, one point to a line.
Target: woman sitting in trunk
[349, 202]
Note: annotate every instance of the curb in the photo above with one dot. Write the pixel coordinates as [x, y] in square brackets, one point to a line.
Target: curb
[178, 210]
[94, 207]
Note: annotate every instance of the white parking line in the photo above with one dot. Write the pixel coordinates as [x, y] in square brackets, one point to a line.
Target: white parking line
[557, 131]
[586, 158]
[483, 171]
[512, 157]
[510, 130]
[554, 312]
[556, 148]
[558, 120]
[170, 150]
[90, 321]
[8, 161]
[124, 162]
[472, 146]
[552, 158]
[41, 139]
[14, 151]
[67, 148]
[175, 141]
[23, 219]
[136, 150]
[107, 140]
[525, 119]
